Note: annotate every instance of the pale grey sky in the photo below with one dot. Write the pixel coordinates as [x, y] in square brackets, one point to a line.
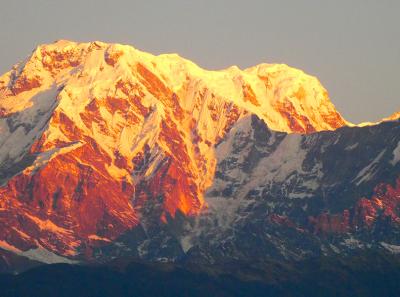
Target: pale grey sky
[352, 46]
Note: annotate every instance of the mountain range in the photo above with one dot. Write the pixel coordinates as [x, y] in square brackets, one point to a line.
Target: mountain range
[110, 153]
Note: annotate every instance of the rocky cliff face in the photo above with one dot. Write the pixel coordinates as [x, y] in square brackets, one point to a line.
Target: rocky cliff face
[106, 150]
[289, 196]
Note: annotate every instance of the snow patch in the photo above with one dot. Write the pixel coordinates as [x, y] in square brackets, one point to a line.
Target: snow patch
[186, 243]
[40, 254]
[369, 171]
[353, 243]
[396, 155]
[395, 249]
[45, 256]
[351, 147]
[45, 157]
[96, 237]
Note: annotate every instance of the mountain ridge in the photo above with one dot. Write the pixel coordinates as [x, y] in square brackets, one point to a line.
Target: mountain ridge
[65, 54]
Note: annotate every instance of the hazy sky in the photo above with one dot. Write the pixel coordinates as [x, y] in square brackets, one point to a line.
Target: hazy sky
[352, 46]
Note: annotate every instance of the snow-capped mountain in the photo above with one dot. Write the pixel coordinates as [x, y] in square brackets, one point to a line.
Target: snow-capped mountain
[106, 150]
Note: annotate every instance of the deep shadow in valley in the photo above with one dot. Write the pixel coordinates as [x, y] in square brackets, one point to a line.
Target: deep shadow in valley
[363, 274]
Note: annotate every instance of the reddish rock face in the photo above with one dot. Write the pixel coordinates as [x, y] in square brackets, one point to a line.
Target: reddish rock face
[249, 95]
[384, 204]
[335, 223]
[78, 199]
[297, 123]
[25, 83]
[111, 57]
[54, 59]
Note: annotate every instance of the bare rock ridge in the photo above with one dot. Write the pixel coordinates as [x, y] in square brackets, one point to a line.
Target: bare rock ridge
[97, 139]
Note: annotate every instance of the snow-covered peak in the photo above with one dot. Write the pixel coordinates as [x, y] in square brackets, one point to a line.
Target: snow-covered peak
[394, 116]
[287, 99]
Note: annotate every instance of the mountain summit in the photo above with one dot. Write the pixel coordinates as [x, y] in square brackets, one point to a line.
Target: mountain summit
[98, 140]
